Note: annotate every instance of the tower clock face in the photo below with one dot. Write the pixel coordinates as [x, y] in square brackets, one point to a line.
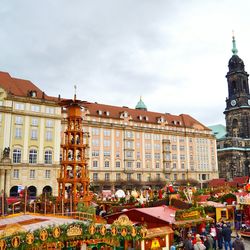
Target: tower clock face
[233, 103]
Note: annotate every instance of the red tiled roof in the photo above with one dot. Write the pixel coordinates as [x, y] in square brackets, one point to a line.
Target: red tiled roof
[182, 120]
[20, 87]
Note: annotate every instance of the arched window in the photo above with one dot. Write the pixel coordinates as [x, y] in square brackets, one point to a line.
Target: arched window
[17, 155]
[235, 128]
[48, 157]
[33, 156]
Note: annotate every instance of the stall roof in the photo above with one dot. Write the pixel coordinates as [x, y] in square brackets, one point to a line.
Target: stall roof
[158, 231]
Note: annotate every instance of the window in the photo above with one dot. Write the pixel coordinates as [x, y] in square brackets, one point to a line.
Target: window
[182, 148]
[19, 120]
[117, 164]
[47, 174]
[117, 133]
[33, 134]
[138, 177]
[16, 173]
[117, 143]
[95, 164]
[158, 177]
[129, 164]
[138, 155]
[50, 110]
[95, 142]
[118, 176]
[95, 131]
[95, 153]
[175, 177]
[106, 153]
[147, 146]
[107, 176]
[182, 165]
[106, 164]
[157, 156]
[48, 135]
[106, 143]
[34, 122]
[182, 157]
[17, 155]
[48, 157]
[183, 176]
[149, 177]
[129, 177]
[19, 106]
[35, 108]
[129, 154]
[95, 176]
[129, 134]
[129, 144]
[18, 133]
[49, 123]
[157, 165]
[106, 132]
[33, 156]
[174, 147]
[174, 157]
[117, 154]
[138, 165]
[167, 176]
[32, 174]
[147, 136]
[138, 145]
[148, 155]
[174, 165]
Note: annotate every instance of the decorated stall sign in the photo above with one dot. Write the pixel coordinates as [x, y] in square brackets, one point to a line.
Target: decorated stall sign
[30, 238]
[103, 230]
[92, 229]
[43, 235]
[189, 214]
[74, 230]
[114, 231]
[2, 244]
[56, 232]
[15, 242]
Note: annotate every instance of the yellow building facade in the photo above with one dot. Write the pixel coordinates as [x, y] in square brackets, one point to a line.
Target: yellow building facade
[128, 148]
[30, 124]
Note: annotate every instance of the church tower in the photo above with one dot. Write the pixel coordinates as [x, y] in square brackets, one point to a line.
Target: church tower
[233, 150]
[238, 102]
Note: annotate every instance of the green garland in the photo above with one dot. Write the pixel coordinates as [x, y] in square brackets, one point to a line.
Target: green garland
[64, 238]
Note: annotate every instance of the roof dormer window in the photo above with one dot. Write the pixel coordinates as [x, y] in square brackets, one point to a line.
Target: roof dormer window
[146, 118]
[99, 112]
[140, 117]
[32, 93]
[107, 113]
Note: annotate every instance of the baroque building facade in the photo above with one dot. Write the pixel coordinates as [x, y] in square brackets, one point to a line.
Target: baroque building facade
[134, 147]
[30, 124]
[233, 149]
[127, 147]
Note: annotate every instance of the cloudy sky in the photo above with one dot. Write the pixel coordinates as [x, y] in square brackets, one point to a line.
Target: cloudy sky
[173, 53]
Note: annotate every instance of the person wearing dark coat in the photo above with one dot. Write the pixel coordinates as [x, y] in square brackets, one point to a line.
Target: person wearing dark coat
[188, 245]
[238, 244]
[226, 233]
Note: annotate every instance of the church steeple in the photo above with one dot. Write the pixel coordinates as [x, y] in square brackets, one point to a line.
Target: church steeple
[238, 100]
[141, 105]
[234, 49]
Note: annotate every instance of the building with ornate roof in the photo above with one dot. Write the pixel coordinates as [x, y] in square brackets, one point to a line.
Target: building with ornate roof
[127, 147]
[30, 125]
[233, 147]
[132, 148]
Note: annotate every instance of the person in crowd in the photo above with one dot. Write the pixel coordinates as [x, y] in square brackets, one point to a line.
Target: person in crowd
[188, 245]
[213, 233]
[238, 243]
[209, 242]
[199, 245]
[219, 235]
[226, 233]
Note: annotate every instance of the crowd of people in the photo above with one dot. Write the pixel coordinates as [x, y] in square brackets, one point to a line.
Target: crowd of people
[214, 237]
